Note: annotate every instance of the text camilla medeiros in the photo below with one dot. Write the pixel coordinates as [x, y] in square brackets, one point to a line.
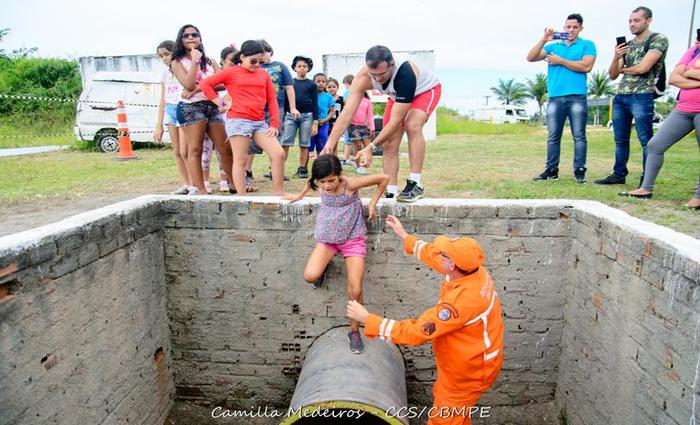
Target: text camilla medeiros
[266, 412]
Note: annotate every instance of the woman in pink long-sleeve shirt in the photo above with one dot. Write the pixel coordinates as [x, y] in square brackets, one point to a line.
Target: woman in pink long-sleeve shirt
[361, 129]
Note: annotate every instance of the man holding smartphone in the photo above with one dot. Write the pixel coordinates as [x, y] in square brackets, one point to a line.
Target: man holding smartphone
[570, 60]
[639, 61]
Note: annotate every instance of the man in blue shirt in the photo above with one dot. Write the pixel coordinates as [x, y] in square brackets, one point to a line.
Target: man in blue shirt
[570, 61]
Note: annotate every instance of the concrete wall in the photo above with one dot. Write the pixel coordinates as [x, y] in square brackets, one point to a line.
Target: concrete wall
[109, 315]
[84, 336]
[242, 316]
[630, 344]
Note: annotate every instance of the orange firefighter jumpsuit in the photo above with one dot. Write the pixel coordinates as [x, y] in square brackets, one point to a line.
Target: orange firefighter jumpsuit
[466, 330]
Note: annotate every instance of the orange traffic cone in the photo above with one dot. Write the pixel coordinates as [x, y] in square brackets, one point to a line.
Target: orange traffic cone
[125, 151]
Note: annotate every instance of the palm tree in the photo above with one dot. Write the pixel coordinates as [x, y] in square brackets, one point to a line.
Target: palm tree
[509, 92]
[537, 90]
[599, 86]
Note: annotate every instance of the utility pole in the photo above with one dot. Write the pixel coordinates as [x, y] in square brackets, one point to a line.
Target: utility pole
[690, 32]
[487, 97]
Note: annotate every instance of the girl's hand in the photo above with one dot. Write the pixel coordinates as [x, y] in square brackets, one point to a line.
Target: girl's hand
[272, 132]
[223, 108]
[372, 212]
[357, 312]
[295, 113]
[158, 134]
[396, 226]
[195, 55]
[293, 198]
[186, 94]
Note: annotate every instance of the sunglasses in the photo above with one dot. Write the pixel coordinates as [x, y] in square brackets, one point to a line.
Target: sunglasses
[257, 61]
[190, 35]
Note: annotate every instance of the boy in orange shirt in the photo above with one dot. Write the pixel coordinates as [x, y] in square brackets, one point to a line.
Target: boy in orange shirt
[465, 326]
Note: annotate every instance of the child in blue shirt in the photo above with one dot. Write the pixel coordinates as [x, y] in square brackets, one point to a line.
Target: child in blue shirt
[326, 108]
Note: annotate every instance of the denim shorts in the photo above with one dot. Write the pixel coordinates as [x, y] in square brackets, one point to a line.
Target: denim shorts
[243, 127]
[303, 124]
[253, 148]
[170, 115]
[204, 110]
[358, 132]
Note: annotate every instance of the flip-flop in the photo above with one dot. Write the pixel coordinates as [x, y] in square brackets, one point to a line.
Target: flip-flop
[635, 195]
[251, 189]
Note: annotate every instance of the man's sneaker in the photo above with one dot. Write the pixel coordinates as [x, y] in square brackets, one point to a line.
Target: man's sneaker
[611, 179]
[580, 175]
[302, 173]
[223, 186]
[362, 171]
[182, 190]
[549, 173]
[355, 342]
[192, 191]
[411, 193]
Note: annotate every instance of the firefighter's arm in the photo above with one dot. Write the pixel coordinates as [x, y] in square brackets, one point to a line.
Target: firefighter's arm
[424, 251]
[438, 320]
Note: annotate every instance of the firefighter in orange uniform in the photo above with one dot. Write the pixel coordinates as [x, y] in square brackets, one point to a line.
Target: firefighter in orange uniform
[465, 326]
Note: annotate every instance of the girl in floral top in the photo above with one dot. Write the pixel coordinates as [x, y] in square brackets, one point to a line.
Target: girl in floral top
[340, 227]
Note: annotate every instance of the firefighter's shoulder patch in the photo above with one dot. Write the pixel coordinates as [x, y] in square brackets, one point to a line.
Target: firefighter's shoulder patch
[446, 311]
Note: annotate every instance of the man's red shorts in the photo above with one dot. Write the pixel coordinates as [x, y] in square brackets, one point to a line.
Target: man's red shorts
[426, 102]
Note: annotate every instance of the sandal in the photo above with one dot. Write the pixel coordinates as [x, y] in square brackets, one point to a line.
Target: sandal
[251, 189]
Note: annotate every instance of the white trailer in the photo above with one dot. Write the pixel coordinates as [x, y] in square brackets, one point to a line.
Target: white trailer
[500, 114]
[96, 113]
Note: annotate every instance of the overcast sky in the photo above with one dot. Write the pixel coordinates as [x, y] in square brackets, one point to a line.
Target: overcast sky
[484, 40]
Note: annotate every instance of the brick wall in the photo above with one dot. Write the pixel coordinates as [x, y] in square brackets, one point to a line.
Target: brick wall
[84, 336]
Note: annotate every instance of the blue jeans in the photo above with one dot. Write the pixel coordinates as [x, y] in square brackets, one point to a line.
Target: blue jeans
[625, 107]
[303, 123]
[575, 107]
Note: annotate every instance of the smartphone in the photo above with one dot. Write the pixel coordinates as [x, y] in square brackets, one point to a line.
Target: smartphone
[621, 40]
[560, 36]
[697, 37]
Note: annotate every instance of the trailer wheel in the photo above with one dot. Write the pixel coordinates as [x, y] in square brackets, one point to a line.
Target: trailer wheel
[107, 140]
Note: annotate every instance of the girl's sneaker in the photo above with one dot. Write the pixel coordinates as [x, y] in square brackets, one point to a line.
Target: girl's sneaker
[206, 186]
[355, 342]
[182, 190]
[223, 186]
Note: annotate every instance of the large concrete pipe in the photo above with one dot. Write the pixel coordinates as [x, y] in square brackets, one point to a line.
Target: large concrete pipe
[335, 385]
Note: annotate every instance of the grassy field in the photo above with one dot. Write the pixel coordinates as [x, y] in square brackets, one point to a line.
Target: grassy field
[485, 161]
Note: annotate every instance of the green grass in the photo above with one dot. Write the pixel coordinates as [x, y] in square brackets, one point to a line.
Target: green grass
[449, 122]
[490, 161]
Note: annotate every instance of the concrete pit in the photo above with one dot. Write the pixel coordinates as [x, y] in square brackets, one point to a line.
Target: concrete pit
[161, 309]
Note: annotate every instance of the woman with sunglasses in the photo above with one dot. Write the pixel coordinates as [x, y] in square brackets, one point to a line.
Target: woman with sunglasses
[251, 90]
[194, 112]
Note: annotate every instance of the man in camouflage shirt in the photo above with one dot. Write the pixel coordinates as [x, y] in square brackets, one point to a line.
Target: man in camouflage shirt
[639, 66]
